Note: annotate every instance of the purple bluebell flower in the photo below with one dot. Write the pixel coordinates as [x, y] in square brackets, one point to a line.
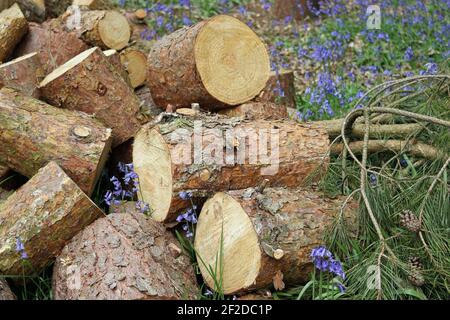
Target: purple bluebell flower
[324, 261]
[409, 54]
[20, 248]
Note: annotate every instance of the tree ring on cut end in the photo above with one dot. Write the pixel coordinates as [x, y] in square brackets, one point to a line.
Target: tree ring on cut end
[232, 61]
[114, 30]
[223, 225]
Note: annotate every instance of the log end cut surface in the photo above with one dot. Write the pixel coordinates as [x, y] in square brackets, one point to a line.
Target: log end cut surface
[114, 30]
[224, 215]
[232, 61]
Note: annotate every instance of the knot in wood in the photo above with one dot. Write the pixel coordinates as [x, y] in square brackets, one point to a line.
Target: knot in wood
[82, 131]
[101, 89]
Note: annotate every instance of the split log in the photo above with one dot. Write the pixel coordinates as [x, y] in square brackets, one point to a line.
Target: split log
[135, 63]
[13, 26]
[215, 63]
[93, 4]
[5, 291]
[33, 133]
[23, 74]
[280, 89]
[104, 29]
[44, 214]
[288, 155]
[34, 10]
[89, 83]
[124, 256]
[257, 110]
[53, 45]
[263, 234]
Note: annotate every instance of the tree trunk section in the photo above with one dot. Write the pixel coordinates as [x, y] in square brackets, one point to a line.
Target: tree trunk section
[226, 157]
[104, 29]
[264, 234]
[215, 63]
[135, 62]
[13, 26]
[5, 291]
[124, 256]
[89, 83]
[280, 89]
[78, 143]
[45, 213]
[114, 59]
[257, 111]
[23, 74]
[53, 45]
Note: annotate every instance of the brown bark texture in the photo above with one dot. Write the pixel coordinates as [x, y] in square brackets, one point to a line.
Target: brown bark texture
[94, 86]
[44, 214]
[23, 74]
[5, 291]
[125, 256]
[53, 45]
[280, 89]
[33, 133]
[257, 110]
[13, 27]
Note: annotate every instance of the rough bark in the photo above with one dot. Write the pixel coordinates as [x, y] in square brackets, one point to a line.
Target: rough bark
[297, 9]
[23, 74]
[124, 256]
[280, 89]
[257, 110]
[5, 291]
[104, 29]
[13, 26]
[53, 45]
[33, 133]
[264, 234]
[215, 63]
[44, 214]
[289, 155]
[93, 4]
[89, 83]
[114, 59]
[135, 63]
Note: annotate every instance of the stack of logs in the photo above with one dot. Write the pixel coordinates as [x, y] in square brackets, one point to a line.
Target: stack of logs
[78, 96]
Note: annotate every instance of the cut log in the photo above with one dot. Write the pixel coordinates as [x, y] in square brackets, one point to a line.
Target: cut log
[257, 110]
[296, 9]
[33, 133]
[23, 74]
[53, 45]
[34, 10]
[13, 26]
[93, 4]
[43, 214]
[124, 256]
[89, 83]
[135, 62]
[263, 234]
[280, 89]
[104, 29]
[114, 59]
[215, 63]
[5, 291]
[288, 155]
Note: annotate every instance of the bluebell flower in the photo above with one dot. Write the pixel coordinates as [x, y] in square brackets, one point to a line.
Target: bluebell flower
[409, 54]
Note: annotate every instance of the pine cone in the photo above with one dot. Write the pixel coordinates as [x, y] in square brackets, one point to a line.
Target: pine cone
[410, 221]
[415, 275]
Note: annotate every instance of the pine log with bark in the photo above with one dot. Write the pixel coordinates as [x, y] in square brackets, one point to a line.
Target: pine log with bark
[53, 45]
[257, 110]
[135, 63]
[89, 83]
[23, 74]
[43, 214]
[289, 154]
[33, 133]
[266, 236]
[114, 59]
[215, 63]
[5, 291]
[13, 27]
[124, 256]
[104, 29]
[280, 89]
